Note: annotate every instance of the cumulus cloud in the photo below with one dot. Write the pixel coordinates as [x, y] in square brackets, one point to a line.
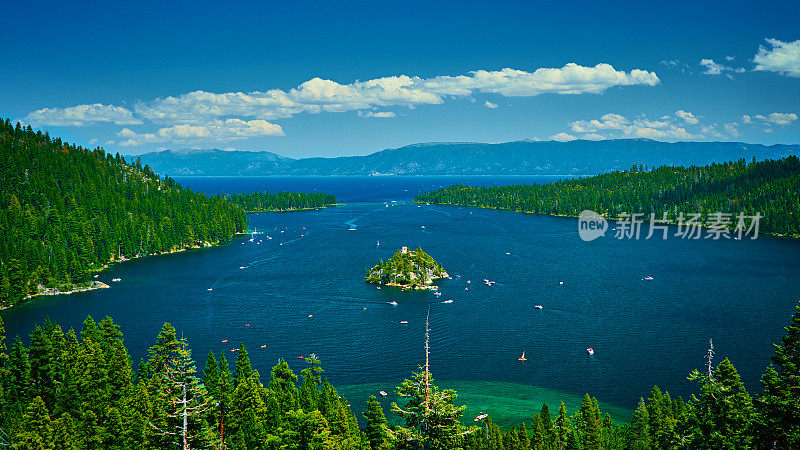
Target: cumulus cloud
[782, 57]
[232, 115]
[687, 117]
[607, 122]
[683, 125]
[562, 137]
[82, 115]
[226, 130]
[732, 129]
[318, 95]
[713, 68]
[775, 118]
[594, 137]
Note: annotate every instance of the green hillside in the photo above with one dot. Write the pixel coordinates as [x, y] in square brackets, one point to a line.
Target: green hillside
[66, 211]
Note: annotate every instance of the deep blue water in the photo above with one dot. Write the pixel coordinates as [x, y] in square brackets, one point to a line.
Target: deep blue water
[740, 293]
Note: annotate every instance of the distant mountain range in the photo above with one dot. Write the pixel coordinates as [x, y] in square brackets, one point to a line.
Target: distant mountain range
[510, 158]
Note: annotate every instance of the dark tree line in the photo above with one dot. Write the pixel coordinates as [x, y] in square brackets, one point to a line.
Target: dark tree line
[69, 390]
[771, 188]
[66, 211]
[282, 201]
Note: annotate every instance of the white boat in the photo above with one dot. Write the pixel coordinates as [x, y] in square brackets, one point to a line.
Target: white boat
[393, 303]
[539, 307]
[560, 282]
[116, 280]
[210, 289]
[242, 267]
[448, 301]
[422, 227]
[647, 278]
[351, 229]
[383, 393]
[404, 322]
[590, 350]
[437, 294]
[97, 276]
[480, 417]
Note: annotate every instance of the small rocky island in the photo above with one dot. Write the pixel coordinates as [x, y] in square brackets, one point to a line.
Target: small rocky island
[407, 269]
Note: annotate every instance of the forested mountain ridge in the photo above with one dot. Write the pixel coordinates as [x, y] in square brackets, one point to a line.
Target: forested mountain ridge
[771, 188]
[577, 157]
[66, 211]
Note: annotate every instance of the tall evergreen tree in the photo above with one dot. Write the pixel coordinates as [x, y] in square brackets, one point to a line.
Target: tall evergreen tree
[36, 431]
[376, 430]
[778, 409]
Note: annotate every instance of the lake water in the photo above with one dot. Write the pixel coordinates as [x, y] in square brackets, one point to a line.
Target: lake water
[303, 292]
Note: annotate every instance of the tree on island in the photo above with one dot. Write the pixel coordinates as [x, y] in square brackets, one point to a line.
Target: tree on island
[409, 269]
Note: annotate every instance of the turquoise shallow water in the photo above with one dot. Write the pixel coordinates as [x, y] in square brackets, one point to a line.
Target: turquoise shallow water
[740, 293]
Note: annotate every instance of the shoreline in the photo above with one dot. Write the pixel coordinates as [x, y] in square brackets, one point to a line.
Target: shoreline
[314, 208]
[94, 285]
[570, 216]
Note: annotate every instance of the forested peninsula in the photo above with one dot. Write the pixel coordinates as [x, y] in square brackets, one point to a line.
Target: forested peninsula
[256, 202]
[771, 188]
[67, 211]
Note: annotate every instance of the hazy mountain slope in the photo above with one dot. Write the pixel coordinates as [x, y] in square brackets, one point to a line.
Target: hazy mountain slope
[510, 158]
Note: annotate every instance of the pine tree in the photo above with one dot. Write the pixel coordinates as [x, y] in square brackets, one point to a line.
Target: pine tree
[281, 383]
[563, 426]
[778, 409]
[376, 430]
[36, 430]
[306, 430]
[549, 437]
[721, 415]
[181, 401]
[429, 412]
[248, 413]
[309, 391]
[639, 431]
[591, 428]
[243, 367]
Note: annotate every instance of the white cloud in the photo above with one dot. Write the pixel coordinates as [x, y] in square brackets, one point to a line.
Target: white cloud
[490, 105]
[594, 137]
[110, 142]
[82, 115]
[687, 117]
[730, 58]
[713, 68]
[319, 95]
[562, 137]
[666, 128]
[775, 118]
[607, 122]
[732, 129]
[227, 130]
[783, 57]
[377, 115]
[92, 141]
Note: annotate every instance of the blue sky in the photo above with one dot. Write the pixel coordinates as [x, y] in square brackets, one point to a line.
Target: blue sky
[327, 79]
